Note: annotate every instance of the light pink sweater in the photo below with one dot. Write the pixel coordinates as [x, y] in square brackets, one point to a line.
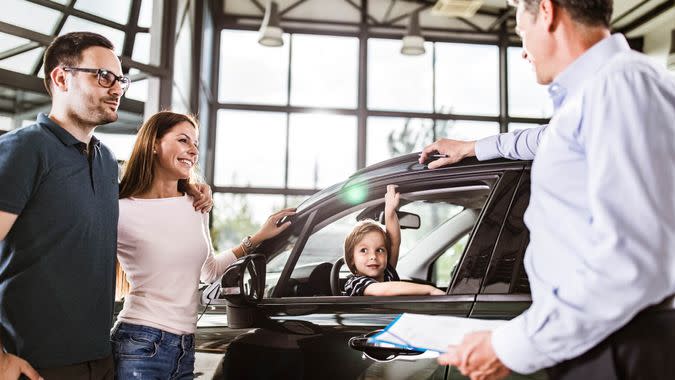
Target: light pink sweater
[164, 247]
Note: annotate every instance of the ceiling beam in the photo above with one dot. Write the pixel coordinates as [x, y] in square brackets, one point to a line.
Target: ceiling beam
[20, 81]
[18, 50]
[356, 6]
[45, 40]
[501, 19]
[401, 17]
[647, 17]
[28, 34]
[628, 12]
[78, 13]
[291, 7]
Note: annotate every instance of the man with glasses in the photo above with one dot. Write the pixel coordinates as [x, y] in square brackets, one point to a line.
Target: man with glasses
[58, 221]
[601, 257]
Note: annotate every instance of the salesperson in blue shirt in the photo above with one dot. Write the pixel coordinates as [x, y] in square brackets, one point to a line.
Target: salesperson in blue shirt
[601, 258]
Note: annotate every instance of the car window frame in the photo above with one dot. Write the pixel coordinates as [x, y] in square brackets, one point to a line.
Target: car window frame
[312, 226]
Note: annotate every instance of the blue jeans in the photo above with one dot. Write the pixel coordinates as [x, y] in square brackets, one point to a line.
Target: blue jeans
[143, 352]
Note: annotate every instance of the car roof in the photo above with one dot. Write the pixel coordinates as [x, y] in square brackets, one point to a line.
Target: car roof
[405, 165]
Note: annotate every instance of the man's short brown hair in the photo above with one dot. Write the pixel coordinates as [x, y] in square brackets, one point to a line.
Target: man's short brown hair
[66, 50]
[586, 12]
[361, 229]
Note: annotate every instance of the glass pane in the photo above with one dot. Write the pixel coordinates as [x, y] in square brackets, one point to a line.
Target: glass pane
[465, 130]
[392, 136]
[238, 215]
[5, 123]
[138, 89]
[25, 62]
[145, 14]
[527, 98]
[439, 212]
[74, 24]
[519, 126]
[120, 144]
[41, 72]
[29, 16]
[399, 82]
[432, 215]
[316, 165]
[182, 74]
[326, 245]
[467, 79]
[8, 41]
[325, 71]
[117, 11]
[252, 73]
[141, 51]
[445, 265]
[250, 149]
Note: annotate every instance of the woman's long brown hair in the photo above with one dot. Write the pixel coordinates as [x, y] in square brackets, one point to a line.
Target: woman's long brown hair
[138, 171]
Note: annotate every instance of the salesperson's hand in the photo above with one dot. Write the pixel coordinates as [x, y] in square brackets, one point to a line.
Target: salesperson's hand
[476, 358]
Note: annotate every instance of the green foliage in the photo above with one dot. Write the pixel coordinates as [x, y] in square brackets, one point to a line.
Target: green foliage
[231, 222]
[445, 265]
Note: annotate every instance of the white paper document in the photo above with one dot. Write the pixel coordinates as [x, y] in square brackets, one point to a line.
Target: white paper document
[430, 332]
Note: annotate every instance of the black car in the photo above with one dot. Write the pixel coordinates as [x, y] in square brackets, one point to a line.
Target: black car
[286, 317]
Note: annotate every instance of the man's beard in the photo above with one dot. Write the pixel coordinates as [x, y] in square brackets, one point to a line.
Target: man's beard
[95, 116]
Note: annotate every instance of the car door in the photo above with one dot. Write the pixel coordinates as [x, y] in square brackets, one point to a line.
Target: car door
[505, 290]
[296, 335]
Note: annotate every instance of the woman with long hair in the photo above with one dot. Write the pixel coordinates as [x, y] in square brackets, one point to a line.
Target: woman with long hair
[164, 247]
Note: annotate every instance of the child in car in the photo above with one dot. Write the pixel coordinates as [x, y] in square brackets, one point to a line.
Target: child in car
[371, 253]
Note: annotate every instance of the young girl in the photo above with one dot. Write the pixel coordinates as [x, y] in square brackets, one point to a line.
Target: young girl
[164, 247]
[371, 253]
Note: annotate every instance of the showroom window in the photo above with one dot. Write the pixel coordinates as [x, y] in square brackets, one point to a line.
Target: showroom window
[251, 73]
[298, 104]
[324, 71]
[399, 82]
[526, 97]
[467, 79]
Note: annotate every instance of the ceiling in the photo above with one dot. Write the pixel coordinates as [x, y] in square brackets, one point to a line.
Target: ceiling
[633, 17]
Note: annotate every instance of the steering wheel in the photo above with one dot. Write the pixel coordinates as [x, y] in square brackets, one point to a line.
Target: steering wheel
[335, 277]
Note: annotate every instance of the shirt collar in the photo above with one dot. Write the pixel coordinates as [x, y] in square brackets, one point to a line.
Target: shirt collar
[572, 78]
[63, 135]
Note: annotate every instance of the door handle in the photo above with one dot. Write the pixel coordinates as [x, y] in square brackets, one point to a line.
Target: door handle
[378, 353]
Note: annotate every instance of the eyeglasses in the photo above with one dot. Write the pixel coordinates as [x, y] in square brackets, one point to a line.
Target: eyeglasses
[105, 78]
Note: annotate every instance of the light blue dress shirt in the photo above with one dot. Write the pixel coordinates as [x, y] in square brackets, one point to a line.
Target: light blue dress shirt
[602, 206]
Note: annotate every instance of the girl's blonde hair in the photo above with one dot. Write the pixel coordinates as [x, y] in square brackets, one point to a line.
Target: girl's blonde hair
[361, 229]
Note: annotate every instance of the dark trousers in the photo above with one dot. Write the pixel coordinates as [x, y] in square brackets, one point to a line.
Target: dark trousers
[101, 369]
[643, 349]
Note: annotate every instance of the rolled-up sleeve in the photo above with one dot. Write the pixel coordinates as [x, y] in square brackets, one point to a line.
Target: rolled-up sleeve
[517, 145]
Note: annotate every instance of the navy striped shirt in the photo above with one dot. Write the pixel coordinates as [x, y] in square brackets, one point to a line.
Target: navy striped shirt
[357, 284]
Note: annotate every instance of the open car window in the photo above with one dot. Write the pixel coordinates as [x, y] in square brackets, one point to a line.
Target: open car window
[446, 216]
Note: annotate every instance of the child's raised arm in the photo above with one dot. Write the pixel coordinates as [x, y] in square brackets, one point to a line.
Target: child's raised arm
[391, 200]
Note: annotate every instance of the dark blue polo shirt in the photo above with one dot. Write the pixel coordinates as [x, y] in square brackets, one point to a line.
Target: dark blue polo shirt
[57, 262]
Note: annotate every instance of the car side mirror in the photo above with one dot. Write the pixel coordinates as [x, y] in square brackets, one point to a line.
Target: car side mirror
[244, 280]
[241, 288]
[407, 220]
